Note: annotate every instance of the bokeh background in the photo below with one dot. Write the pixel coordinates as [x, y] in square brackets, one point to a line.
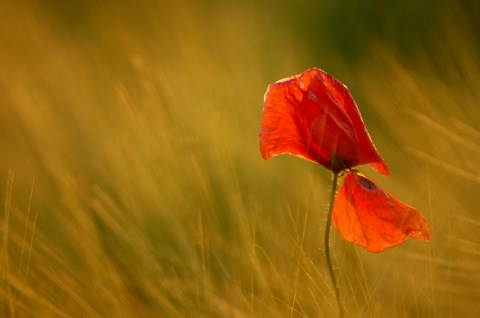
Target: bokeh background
[131, 175]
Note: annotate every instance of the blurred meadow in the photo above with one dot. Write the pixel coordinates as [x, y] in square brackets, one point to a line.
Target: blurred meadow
[131, 175]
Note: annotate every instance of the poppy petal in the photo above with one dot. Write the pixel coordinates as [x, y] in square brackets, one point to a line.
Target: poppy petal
[366, 215]
[313, 116]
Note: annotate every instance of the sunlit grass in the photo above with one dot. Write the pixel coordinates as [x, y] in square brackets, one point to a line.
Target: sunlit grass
[139, 127]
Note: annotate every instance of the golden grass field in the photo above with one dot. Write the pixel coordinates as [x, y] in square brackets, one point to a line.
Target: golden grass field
[131, 175]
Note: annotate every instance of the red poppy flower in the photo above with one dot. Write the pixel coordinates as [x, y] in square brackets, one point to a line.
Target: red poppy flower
[313, 116]
[366, 215]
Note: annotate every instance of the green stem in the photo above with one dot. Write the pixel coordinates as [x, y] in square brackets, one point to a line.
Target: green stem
[327, 246]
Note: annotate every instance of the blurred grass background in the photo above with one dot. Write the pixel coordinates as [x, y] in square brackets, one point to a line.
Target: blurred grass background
[133, 183]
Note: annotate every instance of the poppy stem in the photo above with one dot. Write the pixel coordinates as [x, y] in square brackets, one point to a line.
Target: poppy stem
[327, 246]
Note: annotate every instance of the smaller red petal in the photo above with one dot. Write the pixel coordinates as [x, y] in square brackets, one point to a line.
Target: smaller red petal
[366, 215]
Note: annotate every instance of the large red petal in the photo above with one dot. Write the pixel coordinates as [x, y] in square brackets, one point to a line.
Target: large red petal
[366, 215]
[312, 115]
